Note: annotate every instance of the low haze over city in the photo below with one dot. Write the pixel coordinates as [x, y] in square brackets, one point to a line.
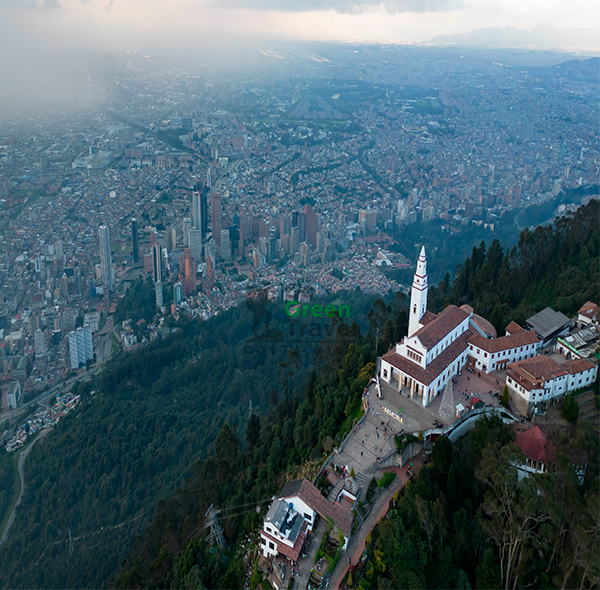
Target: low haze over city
[299, 294]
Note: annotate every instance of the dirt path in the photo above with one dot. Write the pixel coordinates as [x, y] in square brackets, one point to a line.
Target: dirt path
[22, 458]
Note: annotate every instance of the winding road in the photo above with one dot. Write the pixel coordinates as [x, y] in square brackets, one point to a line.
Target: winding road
[22, 458]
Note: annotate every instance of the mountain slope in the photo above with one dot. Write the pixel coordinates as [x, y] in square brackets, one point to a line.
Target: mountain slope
[542, 37]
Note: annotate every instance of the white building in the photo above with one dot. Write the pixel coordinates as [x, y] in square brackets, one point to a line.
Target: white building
[587, 315]
[92, 320]
[541, 379]
[494, 354]
[293, 515]
[13, 397]
[81, 346]
[105, 257]
[40, 344]
[158, 288]
[435, 349]
[540, 453]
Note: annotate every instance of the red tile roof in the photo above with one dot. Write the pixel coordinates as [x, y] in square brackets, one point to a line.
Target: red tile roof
[428, 316]
[311, 496]
[538, 368]
[484, 325]
[291, 552]
[589, 310]
[578, 366]
[435, 368]
[514, 328]
[436, 330]
[493, 345]
[533, 442]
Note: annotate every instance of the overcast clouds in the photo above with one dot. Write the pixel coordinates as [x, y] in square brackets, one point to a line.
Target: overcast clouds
[399, 21]
[54, 51]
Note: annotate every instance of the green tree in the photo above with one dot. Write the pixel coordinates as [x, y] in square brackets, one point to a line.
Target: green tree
[253, 431]
[513, 510]
[505, 397]
[570, 408]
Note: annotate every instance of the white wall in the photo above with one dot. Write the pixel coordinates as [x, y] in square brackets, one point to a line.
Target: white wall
[554, 387]
[487, 362]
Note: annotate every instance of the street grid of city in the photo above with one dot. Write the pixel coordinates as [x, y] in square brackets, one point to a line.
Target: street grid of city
[306, 170]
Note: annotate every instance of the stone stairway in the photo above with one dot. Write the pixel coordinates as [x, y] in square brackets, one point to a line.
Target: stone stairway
[363, 480]
[588, 410]
[335, 490]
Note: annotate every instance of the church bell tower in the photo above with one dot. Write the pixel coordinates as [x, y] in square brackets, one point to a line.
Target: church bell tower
[418, 296]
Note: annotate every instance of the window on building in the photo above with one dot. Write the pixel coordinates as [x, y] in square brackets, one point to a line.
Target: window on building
[414, 356]
[271, 545]
[307, 516]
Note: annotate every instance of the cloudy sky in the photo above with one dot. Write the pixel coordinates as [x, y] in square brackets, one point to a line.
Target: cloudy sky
[110, 21]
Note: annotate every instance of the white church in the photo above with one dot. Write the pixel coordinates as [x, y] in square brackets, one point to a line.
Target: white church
[438, 346]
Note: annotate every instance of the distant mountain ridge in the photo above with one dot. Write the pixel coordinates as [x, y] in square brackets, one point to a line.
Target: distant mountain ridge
[542, 37]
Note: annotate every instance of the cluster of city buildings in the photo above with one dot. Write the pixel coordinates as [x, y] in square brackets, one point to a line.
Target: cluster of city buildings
[275, 192]
[41, 419]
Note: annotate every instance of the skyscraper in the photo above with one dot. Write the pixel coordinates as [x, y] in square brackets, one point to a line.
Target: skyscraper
[171, 238]
[134, 238]
[158, 288]
[196, 210]
[294, 240]
[311, 225]
[40, 344]
[302, 226]
[272, 247]
[187, 226]
[190, 272]
[217, 217]
[105, 257]
[177, 292]
[157, 263]
[80, 346]
[304, 254]
[196, 243]
[204, 213]
[225, 245]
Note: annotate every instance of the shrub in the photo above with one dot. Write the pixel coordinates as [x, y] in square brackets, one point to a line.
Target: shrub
[386, 480]
[570, 408]
[505, 397]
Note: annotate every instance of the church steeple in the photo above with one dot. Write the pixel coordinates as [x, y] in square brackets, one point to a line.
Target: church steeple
[418, 296]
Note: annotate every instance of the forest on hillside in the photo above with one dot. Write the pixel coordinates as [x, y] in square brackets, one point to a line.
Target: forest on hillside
[424, 543]
[555, 265]
[172, 552]
[447, 248]
[467, 522]
[144, 422]
[223, 411]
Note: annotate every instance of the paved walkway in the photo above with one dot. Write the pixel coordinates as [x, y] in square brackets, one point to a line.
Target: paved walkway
[378, 511]
[306, 565]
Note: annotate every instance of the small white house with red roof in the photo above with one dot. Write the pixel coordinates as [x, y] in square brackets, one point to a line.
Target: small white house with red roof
[587, 315]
